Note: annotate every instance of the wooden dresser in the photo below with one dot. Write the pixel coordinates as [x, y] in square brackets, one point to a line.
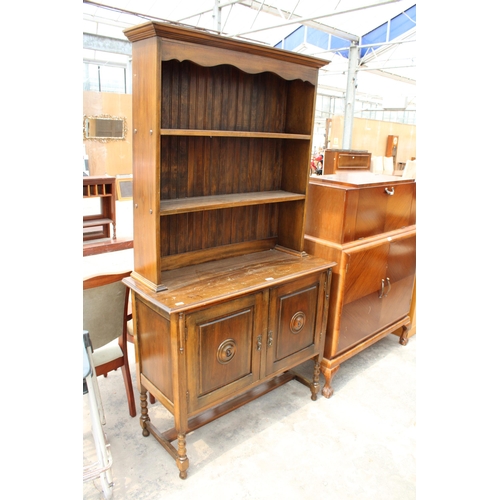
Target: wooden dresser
[366, 223]
[339, 160]
[225, 301]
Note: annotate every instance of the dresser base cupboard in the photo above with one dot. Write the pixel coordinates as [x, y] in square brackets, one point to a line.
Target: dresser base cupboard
[225, 333]
[367, 224]
[225, 301]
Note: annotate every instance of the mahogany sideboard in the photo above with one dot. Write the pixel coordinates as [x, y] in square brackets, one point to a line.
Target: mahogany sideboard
[225, 301]
[366, 223]
[98, 225]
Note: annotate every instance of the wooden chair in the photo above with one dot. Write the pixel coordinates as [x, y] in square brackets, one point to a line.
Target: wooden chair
[105, 314]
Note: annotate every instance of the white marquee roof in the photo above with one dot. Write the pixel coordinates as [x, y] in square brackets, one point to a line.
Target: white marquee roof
[390, 70]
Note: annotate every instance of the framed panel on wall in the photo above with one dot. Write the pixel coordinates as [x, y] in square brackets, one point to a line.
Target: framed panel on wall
[124, 188]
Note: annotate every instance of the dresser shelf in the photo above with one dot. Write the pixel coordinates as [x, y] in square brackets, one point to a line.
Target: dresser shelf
[201, 203]
[233, 133]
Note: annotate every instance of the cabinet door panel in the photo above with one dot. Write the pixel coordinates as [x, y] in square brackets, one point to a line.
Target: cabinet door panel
[396, 304]
[221, 349]
[368, 308]
[400, 207]
[402, 258]
[371, 211]
[379, 212]
[293, 322]
[401, 265]
[360, 319]
[365, 269]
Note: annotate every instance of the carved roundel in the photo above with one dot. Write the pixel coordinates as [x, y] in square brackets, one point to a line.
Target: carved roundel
[226, 351]
[297, 322]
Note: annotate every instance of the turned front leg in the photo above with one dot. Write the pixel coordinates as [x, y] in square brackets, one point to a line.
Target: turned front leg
[144, 412]
[328, 373]
[182, 460]
[315, 381]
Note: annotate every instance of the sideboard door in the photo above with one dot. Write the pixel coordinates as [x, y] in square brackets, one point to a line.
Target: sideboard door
[365, 267]
[378, 287]
[295, 312]
[223, 351]
[401, 268]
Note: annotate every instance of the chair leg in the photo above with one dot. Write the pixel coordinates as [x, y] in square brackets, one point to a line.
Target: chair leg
[128, 388]
[152, 399]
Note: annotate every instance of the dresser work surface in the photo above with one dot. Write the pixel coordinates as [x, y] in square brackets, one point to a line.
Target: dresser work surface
[200, 285]
[359, 179]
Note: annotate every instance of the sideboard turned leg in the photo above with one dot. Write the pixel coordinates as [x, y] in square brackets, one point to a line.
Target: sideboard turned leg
[328, 374]
[315, 381]
[144, 412]
[182, 460]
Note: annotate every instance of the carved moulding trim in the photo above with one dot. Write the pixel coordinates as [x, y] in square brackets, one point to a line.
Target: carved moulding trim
[297, 322]
[226, 351]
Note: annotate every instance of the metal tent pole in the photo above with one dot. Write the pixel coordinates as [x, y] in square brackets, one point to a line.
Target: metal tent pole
[350, 95]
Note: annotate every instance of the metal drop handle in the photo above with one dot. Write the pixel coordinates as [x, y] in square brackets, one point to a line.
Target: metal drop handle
[389, 284]
[381, 294]
[259, 342]
[390, 192]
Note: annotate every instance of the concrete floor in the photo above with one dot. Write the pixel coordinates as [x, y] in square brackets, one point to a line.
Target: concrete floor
[360, 444]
